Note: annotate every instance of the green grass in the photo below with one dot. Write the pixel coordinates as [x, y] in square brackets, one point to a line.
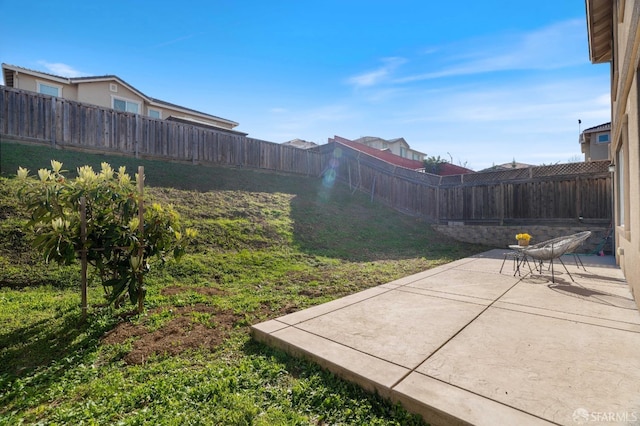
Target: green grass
[268, 244]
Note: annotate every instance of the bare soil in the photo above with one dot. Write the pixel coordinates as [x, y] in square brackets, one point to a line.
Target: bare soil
[181, 333]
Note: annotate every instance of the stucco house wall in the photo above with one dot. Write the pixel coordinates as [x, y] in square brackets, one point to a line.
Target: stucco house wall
[613, 28]
[595, 142]
[397, 146]
[102, 90]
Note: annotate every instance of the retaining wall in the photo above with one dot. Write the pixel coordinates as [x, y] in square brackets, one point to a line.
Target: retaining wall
[502, 236]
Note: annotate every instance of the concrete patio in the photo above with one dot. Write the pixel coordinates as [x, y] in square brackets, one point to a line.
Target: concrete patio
[462, 343]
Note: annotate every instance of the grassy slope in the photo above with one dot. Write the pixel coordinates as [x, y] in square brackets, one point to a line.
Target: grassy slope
[269, 244]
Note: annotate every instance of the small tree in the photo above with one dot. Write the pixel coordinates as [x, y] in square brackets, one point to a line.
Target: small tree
[112, 240]
[434, 164]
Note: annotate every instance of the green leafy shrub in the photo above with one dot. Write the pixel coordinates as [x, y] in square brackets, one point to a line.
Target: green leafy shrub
[117, 247]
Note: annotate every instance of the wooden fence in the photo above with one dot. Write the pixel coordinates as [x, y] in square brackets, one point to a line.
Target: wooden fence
[564, 192]
[28, 116]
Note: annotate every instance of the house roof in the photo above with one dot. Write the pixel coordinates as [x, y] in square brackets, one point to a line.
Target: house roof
[599, 29]
[599, 128]
[507, 166]
[8, 79]
[187, 120]
[382, 155]
[300, 143]
[446, 169]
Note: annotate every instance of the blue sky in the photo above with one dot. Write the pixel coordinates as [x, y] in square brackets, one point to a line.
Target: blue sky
[479, 83]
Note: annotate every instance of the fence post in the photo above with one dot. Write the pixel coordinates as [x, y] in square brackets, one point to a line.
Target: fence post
[373, 187]
[438, 203]
[578, 199]
[136, 132]
[53, 122]
[141, 290]
[83, 257]
[501, 204]
[194, 143]
[245, 151]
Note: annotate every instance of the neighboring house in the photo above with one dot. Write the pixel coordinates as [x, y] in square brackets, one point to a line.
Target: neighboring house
[614, 37]
[108, 91]
[594, 142]
[300, 143]
[397, 146]
[445, 169]
[507, 166]
[381, 154]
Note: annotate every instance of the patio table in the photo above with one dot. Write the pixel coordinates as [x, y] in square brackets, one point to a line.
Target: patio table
[519, 257]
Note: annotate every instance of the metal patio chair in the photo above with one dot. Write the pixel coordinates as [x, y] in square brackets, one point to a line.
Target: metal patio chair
[579, 239]
[551, 250]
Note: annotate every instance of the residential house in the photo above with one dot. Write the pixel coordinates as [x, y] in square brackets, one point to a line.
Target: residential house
[445, 169]
[594, 142]
[397, 146]
[613, 30]
[300, 143]
[108, 91]
[507, 166]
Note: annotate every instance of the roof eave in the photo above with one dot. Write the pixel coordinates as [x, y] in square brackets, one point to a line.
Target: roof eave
[599, 30]
[102, 78]
[43, 75]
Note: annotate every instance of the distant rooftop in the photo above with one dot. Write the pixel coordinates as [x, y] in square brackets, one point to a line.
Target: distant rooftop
[598, 128]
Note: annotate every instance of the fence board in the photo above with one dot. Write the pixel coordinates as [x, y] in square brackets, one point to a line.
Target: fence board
[563, 191]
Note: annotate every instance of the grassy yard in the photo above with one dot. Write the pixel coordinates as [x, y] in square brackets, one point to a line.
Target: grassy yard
[268, 245]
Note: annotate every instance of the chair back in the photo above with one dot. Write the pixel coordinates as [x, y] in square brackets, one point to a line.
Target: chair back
[578, 239]
[554, 248]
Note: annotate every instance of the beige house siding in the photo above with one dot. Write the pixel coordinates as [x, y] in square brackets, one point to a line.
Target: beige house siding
[598, 151]
[621, 18]
[30, 83]
[97, 93]
[103, 90]
[591, 146]
[398, 146]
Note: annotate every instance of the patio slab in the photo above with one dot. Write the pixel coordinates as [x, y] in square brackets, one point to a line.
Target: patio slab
[463, 344]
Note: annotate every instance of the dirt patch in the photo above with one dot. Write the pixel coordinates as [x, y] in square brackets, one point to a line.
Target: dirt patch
[205, 291]
[185, 331]
[122, 332]
[311, 292]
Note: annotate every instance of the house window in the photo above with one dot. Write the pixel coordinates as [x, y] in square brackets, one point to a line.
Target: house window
[403, 152]
[154, 113]
[603, 138]
[126, 105]
[49, 89]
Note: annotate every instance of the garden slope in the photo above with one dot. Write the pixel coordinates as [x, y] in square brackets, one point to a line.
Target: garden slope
[268, 244]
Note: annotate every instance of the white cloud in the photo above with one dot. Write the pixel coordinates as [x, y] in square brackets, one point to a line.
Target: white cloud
[519, 95]
[556, 46]
[177, 40]
[313, 124]
[377, 76]
[60, 69]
